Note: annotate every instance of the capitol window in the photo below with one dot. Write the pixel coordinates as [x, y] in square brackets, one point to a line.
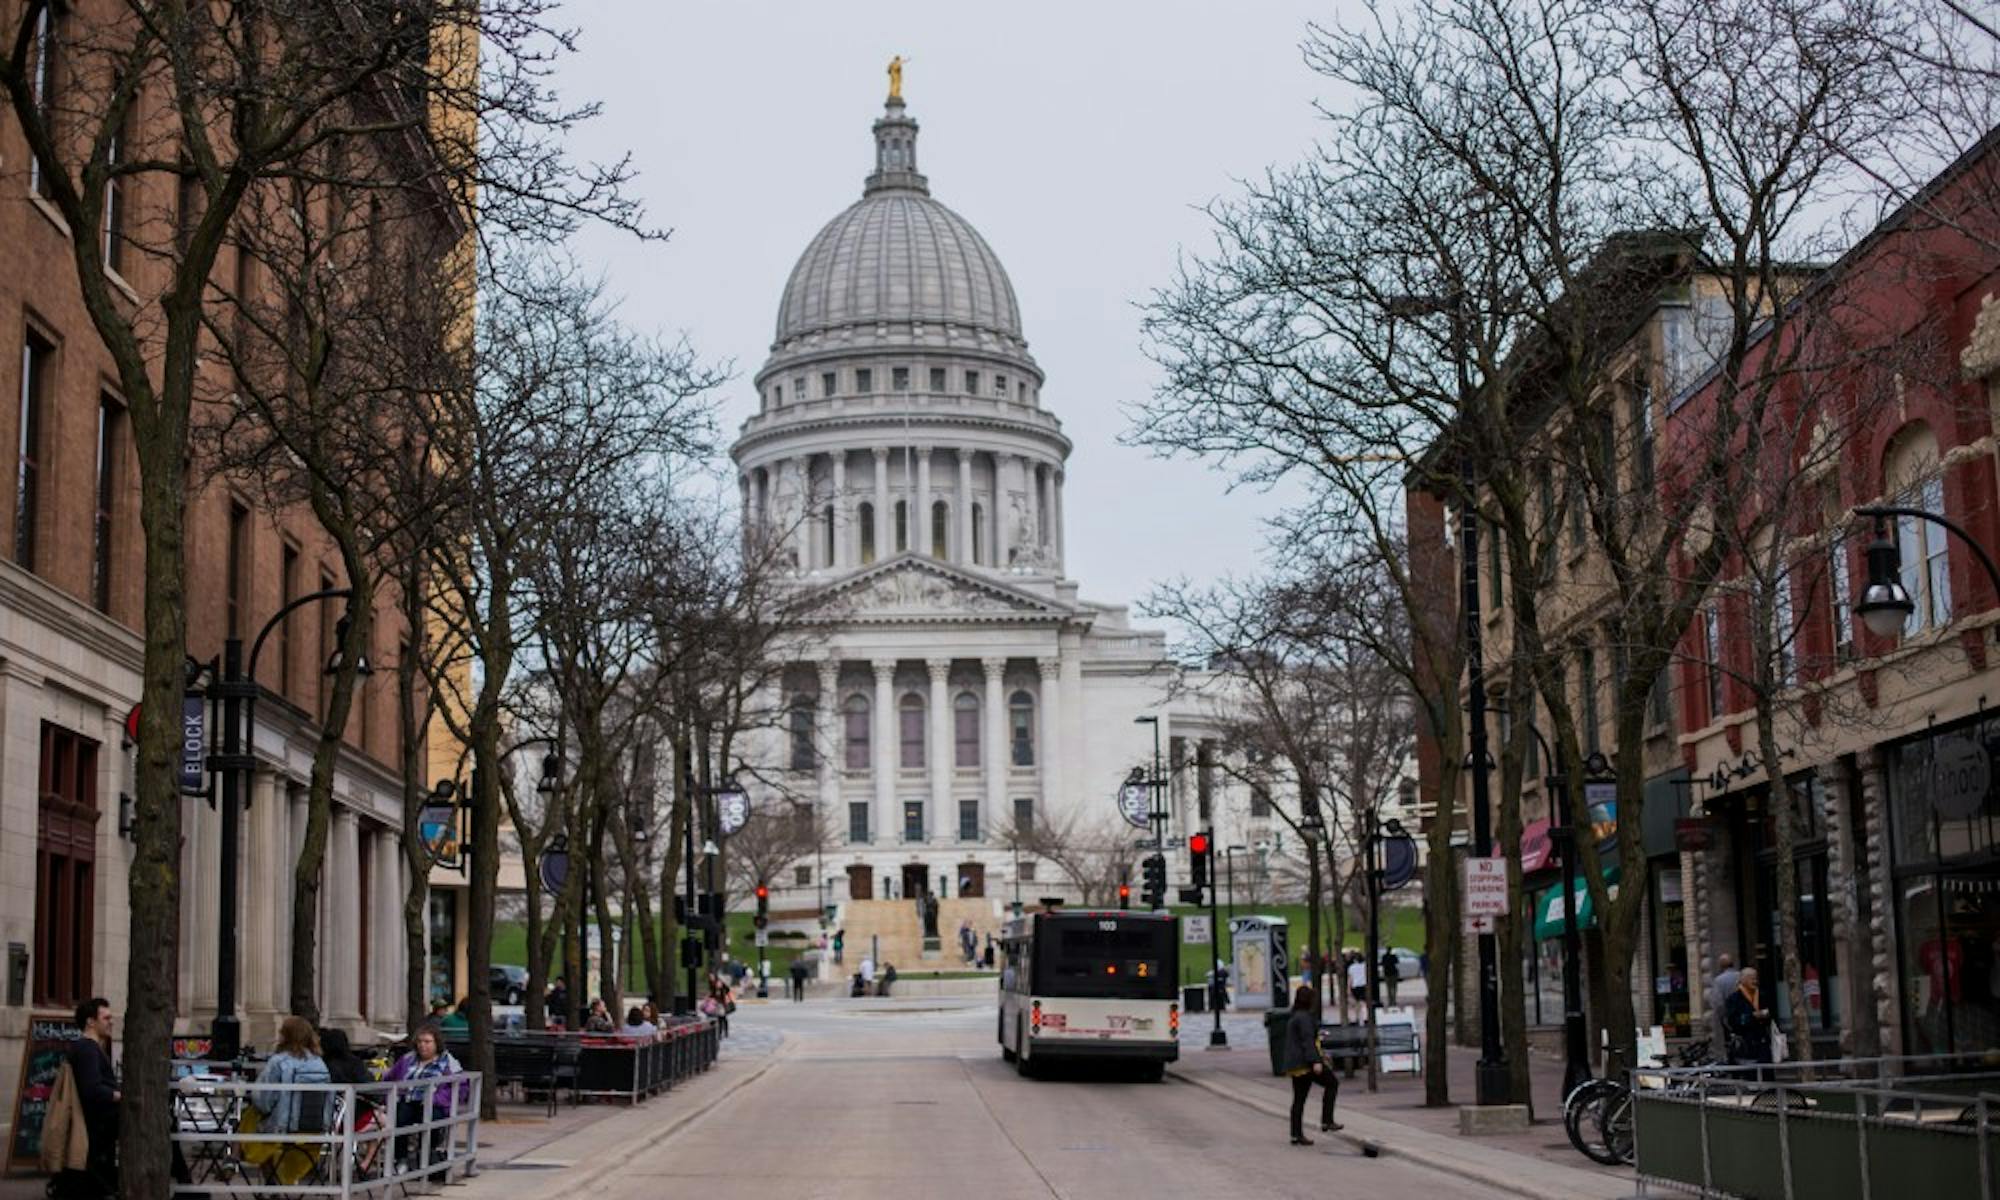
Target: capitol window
[864, 380]
[902, 525]
[1021, 723]
[865, 517]
[965, 729]
[899, 379]
[1000, 386]
[910, 727]
[978, 534]
[940, 529]
[829, 383]
[972, 383]
[799, 388]
[937, 379]
[855, 716]
[801, 715]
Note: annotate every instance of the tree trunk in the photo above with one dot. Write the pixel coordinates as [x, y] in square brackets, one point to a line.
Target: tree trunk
[1784, 820]
[152, 966]
[311, 864]
[1441, 924]
[416, 860]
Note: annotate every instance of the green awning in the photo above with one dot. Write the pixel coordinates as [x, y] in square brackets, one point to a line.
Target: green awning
[1549, 905]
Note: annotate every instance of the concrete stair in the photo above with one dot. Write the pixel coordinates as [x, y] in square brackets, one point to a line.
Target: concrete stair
[898, 934]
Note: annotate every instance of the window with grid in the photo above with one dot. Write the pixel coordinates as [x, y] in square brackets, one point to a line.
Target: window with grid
[1027, 870]
[937, 379]
[972, 383]
[864, 380]
[913, 820]
[899, 379]
[65, 866]
[855, 733]
[1024, 816]
[857, 821]
[1922, 549]
[800, 717]
[1260, 801]
[1642, 432]
[1784, 654]
[968, 820]
[37, 369]
[1711, 651]
[110, 425]
[829, 383]
[116, 202]
[802, 876]
[42, 81]
[910, 731]
[1021, 728]
[1840, 581]
[965, 730]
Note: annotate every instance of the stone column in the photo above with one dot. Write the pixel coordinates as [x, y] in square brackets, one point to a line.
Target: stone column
[1031, 501]
[1048, 757]
[342, 950]
[1001, 508]
[262, 967]
[993, 755]
[963, 552]
[920, 517]
[1045, 483]
[204, 902]
[884, 529]
[885, 748]
[1055, 490]
[830, 748]
[1886, 1008]
[841, 523]
[942, 815]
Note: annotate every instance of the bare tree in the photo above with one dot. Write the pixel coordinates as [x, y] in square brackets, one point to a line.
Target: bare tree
[1094, 853]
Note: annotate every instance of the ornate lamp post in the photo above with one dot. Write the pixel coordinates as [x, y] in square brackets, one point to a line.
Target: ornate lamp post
[1885, 603]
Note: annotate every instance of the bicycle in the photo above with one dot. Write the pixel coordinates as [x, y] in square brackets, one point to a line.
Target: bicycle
[1598, 1113]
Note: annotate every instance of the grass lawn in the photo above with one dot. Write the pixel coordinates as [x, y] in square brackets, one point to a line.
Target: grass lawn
[1401, 926]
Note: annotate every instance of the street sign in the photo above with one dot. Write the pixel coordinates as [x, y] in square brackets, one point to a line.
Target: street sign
[194, 742]
[1135, 803]
[763, 937]
[554, 865]
[1485, 888]
[1399, 861]
[1195, 931]
[1481, 924]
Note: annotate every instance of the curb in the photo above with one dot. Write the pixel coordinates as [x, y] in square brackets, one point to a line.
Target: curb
[1499, 1181]
[579, 1181]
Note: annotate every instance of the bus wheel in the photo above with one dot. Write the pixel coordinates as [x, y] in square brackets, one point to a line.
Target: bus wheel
[1153, 1072]
[1022, 1066]
[1006, 1055]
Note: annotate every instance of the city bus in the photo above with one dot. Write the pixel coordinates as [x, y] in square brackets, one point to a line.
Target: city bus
[1079, 984]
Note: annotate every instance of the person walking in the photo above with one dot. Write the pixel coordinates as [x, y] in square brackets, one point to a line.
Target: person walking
[839, 946]
[1720, 989]
[1304, 1063]
[94, 1080]
[1391, 975]
[1357, 978]
[1748, 1022]
[798, 979]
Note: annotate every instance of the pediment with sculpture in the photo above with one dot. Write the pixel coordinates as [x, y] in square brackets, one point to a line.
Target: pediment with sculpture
[918, 588]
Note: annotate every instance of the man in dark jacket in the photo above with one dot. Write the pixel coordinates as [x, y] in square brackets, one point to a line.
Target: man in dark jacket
[97, 1088]
[1304, 1063]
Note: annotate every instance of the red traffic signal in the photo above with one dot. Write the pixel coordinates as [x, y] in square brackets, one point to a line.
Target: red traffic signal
[763, 893]
[1124, 895]
[1198, 843]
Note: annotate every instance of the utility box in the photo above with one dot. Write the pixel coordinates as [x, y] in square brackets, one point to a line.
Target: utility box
[1260, 950]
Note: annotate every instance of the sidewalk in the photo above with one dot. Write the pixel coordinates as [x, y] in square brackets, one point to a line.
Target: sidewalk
[1538, 1163]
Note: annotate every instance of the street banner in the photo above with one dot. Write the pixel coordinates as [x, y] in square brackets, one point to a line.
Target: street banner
[554, 865]
[1135, 802]
[1195, 931]
[733, 811]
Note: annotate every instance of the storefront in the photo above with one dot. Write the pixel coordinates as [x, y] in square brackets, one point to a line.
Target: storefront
[1944, 826]
[1666, 964]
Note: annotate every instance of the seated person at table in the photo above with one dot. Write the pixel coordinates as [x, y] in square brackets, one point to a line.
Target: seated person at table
[346, 1067]
[295, 1060]
[426, 1060]
[635, 1025]
[599, 1020]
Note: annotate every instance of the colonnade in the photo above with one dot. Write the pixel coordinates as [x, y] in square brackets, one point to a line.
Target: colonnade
[971, 507]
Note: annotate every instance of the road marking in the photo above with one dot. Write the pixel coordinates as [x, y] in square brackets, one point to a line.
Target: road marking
[1000, 1125]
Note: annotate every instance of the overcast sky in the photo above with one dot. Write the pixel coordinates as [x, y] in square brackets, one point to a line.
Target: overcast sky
[1079, 138]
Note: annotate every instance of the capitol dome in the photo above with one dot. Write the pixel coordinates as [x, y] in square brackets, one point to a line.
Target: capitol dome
[899, 270]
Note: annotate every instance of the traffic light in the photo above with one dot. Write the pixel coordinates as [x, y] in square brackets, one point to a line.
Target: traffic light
[1200, 845]
[763, 900]
[1124, 895]
[1154, 894]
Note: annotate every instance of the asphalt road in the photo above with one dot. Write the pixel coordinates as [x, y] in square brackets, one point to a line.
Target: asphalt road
[894, 1099]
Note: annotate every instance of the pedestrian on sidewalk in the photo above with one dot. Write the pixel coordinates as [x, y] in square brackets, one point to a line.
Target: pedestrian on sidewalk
[1357, 979]
[839, 945]
[1306, 1066]
[798, 979]
[1720, 989]
[1749, 1022]
[1392, 974]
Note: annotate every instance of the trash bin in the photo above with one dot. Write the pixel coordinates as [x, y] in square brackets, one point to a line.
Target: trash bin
[1274, 1032]
[1194, 998]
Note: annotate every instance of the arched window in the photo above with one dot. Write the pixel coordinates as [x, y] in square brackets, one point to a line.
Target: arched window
[1021, 727]
[965, 730]
[799, 718]
[828, 518]
[940, 530]
[1912, 477]
[902, 525]
[910, 731]
[978, 533]
[865, 517]
[854, 715]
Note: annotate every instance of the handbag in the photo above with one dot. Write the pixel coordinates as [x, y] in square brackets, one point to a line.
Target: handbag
[1779, 1047]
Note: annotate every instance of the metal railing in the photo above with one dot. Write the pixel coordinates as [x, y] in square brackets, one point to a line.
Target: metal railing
[1860, 1128]
[357, 1139]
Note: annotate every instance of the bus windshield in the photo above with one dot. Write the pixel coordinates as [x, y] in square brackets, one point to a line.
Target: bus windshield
[1106, 956]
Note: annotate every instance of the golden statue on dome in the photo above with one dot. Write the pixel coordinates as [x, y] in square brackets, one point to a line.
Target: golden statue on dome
[896, 77]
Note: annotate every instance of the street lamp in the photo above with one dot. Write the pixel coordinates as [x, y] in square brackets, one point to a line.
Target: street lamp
[233, 763]
[1885, 603]
[726, 791]
[1576, 1047]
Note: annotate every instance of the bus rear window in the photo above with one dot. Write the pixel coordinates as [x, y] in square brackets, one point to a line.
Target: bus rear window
[1083, 958]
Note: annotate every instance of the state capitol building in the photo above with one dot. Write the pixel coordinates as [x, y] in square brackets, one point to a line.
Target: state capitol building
[903, 450]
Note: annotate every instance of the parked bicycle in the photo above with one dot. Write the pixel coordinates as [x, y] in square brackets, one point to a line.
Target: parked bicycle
[1597, 1114]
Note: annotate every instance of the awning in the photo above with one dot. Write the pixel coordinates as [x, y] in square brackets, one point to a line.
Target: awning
[1549, 905]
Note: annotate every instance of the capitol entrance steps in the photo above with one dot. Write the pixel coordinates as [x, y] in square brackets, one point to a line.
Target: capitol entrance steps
[893, 931]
